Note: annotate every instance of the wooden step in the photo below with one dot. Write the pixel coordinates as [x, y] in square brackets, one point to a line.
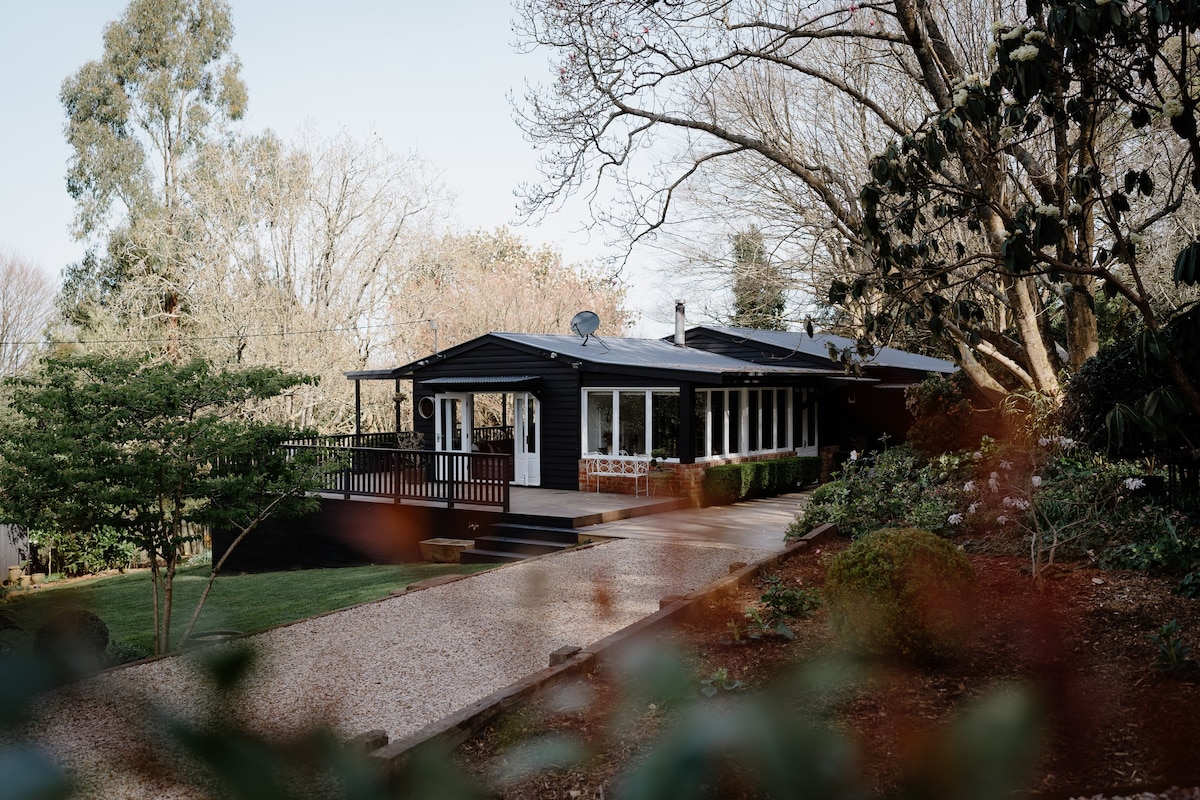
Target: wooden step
[545, 533]
[476, 556]
[512, 544]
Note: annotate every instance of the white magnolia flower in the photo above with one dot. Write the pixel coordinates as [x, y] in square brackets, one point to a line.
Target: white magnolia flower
[1015, 33]
[1034, 36]
[1005, 465]
[960, 97]
[1003, 520]
[1026, 52]
[1074, 208]
[1043, 441]
[991, 50]
[969, 486]
[1172, 108]
[1133, 484]
[955, 519]
[971, 509]
[994, 483]
[1066, 443]
[1048, 211]
[1036, 480]
[977, 455]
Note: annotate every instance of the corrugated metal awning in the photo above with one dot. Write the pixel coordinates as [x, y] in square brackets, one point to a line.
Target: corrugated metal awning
[483, 382]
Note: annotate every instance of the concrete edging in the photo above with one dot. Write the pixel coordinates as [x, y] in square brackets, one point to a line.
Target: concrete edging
[449, 732]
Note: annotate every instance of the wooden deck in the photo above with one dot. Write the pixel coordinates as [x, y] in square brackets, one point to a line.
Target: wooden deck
[559, 507]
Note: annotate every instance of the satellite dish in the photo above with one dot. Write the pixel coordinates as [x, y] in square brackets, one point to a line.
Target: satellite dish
[585, 324]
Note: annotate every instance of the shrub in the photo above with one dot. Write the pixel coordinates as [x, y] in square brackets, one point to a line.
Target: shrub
[896, 488]
[902, 591]
[945, 417]
[729, 483]
[75, 639]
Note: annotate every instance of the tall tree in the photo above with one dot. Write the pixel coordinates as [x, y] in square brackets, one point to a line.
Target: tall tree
[758, 284]
[136, 119]
[152, 449]
[772, 110]
[26, 302]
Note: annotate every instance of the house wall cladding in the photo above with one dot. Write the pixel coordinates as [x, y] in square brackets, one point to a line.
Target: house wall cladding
[557, 392]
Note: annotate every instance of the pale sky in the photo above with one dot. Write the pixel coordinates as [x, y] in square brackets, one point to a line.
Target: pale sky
[430, 77]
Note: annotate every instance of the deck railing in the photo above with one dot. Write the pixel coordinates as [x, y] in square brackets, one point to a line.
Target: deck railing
[450, 478]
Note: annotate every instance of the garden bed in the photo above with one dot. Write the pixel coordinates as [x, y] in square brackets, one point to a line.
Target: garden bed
[1081, 640]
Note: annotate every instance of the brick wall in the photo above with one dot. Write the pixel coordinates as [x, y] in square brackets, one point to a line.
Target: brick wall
[686, 480]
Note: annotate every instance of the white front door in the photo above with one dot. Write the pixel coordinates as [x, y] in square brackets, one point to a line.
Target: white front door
[452, 425]
[527, 465]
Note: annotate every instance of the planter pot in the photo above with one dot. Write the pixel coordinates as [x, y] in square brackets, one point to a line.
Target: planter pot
[14, 575]
[38, 578]
[26, 581]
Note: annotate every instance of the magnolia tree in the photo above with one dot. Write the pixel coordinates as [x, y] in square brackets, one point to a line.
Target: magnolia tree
[1066, 175]
[154, 450]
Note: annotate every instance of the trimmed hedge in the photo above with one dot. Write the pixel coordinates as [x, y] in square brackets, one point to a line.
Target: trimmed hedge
[729, 483]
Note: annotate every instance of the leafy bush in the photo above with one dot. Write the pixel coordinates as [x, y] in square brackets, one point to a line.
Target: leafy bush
[896, 488]
[902, 592]
[75, 639]
[788, 602]
[944, 417]
[87, 552]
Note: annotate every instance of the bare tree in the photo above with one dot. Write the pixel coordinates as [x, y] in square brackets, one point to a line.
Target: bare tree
[770, 113]
[26, 304]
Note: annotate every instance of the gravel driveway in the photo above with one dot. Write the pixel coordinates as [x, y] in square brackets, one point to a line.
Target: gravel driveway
[397, 664]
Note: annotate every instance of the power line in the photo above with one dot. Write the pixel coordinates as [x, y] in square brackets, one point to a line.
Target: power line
[185, 337]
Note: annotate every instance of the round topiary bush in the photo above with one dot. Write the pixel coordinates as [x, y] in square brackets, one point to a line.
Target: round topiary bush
[902, 591]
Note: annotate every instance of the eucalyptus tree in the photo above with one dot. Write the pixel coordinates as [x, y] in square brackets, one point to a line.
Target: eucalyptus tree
[774, 109]
[166, 83]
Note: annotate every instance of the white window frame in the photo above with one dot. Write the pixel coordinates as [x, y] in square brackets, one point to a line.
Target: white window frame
[647, 422]
[743, 422]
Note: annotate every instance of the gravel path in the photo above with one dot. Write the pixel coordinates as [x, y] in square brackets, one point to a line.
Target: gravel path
[398, 664]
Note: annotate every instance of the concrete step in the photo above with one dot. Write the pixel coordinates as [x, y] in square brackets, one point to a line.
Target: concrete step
[512, 544]
[476, 556]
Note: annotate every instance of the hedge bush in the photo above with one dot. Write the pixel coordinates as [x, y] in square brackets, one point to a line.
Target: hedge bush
[729, 483]
[902, 591]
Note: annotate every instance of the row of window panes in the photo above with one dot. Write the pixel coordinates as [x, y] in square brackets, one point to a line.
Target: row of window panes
[721, 428]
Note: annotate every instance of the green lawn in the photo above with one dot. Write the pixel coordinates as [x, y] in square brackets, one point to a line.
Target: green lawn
[241, 602]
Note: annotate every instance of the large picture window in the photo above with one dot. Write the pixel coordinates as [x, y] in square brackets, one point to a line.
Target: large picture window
[631, 422]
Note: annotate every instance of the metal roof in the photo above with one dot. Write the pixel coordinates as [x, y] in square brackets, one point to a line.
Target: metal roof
[652, 354]
[818, 345]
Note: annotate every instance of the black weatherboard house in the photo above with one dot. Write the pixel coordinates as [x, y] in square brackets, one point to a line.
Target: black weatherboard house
[708, 395]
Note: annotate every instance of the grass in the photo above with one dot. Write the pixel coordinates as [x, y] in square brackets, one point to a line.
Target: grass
[239, 602]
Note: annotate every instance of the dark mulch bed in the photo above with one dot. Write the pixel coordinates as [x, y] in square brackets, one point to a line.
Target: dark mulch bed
[1080, 637]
